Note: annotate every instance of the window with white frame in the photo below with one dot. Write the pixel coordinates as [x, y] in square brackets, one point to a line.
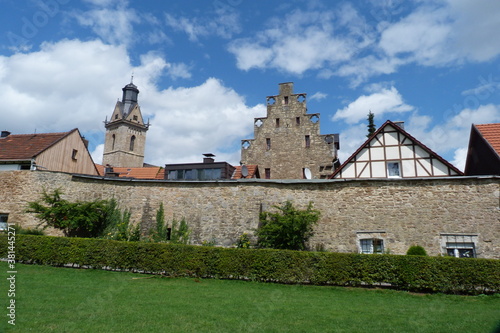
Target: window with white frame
[371, 245]
[459, 245]
[393, 170]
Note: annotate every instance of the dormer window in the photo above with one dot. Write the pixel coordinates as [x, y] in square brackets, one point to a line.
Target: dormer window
[135, 117]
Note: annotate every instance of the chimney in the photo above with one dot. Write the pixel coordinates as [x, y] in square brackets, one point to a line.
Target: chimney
[209, 158]
[85, 142]
[5, 134]
[401, 124]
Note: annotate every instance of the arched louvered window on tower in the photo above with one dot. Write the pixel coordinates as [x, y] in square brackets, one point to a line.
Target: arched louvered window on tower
[132, 143]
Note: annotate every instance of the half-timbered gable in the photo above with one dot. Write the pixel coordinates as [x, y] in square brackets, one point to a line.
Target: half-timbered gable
[391, 152]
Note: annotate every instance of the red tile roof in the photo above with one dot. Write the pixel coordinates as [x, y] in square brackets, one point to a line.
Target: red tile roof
[26, 146]
[491, 133]
[152, 172]
[252, 172]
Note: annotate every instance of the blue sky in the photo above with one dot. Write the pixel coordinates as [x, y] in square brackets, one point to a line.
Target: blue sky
[204, 68]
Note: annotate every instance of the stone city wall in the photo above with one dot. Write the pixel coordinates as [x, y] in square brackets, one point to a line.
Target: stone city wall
[402, 212]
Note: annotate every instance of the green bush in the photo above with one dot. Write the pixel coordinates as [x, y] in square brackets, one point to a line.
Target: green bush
[289, 229]
[412, 273]
[416, 250]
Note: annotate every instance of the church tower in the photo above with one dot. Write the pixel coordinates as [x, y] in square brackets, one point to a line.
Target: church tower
[125, 132]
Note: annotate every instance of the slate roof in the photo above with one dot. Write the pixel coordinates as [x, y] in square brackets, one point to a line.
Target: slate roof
[151, 172]
[20, 147]
[491, 133]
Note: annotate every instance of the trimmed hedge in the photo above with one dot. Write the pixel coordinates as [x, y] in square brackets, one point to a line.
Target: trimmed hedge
[411, 273]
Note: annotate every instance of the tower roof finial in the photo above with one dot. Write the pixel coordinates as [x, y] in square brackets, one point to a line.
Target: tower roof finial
[132, 78]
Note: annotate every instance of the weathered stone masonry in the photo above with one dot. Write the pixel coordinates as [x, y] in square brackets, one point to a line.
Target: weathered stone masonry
[403, 212]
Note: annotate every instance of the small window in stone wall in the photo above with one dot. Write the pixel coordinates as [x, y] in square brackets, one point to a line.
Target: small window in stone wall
[268, 143]
[277, 122]
[308, 141]
[268, 173]
[285, 100]
[459, 245]
[297, 121]
[371, 241]
[132, 143]
[372, 245]
[3, 221]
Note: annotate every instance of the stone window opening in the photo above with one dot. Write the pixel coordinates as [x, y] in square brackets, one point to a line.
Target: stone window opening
[258, 122]
[308, 141]
[267, 173]
[271, 101]
[268, 143]
[371, 246]
[301, 98]
[459, 245]
[285, 100]
[277, 122]
[116, 116]
[297, 121]
[113, 142]
[245, 144]
[132, 143]
[135, 117]
[314, 119]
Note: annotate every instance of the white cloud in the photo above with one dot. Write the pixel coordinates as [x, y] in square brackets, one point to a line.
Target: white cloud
[336, 42]
[453, 135]
[302, 41]
[380, 103]
[318, 96]
[112, 25]
[423, 37]
[223, 23]
[196, 120]
[97, 153]
[351, 139]
[445, 34]
[57, 89]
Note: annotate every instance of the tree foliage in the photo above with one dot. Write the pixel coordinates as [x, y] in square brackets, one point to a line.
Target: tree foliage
[99, 218]
[178, 233]
[371, 124]
[290, 228]
[416, 250]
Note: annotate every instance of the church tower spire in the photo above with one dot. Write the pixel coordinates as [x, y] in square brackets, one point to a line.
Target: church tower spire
[125, 140]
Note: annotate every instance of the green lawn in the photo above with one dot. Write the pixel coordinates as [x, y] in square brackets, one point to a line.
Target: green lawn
[50, 299]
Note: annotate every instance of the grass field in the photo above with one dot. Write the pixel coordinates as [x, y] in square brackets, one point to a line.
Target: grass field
[50, 299]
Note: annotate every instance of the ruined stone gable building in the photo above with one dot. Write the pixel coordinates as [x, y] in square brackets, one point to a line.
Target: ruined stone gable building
[288, 143]
[125, 140]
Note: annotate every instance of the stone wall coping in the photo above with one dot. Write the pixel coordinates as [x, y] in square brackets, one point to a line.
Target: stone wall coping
[289, 181]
